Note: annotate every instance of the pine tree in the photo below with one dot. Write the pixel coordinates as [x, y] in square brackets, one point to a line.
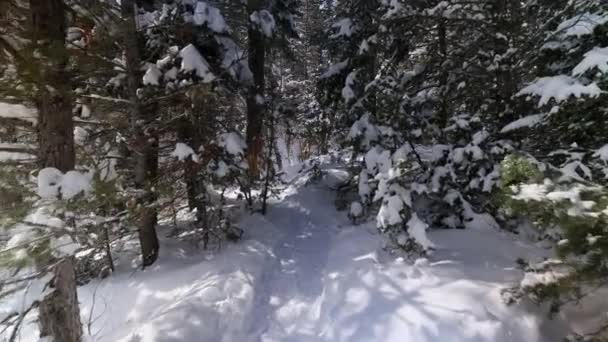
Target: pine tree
[564, 153]
[35, 47]
[59, 311]
[269, 22]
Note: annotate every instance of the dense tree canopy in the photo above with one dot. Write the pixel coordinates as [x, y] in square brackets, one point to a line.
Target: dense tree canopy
[114, 115]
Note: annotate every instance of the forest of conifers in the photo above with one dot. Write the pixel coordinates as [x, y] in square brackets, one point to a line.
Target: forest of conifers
[134, 130]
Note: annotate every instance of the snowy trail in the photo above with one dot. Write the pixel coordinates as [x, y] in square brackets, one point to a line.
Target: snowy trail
[331, 281]
[303, 273]
[292, 289]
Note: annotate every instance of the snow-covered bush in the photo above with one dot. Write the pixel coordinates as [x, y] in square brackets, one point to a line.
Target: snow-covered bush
[558, 180]
[578, 212]
[57, 222]
[424, 112]
[67, 213]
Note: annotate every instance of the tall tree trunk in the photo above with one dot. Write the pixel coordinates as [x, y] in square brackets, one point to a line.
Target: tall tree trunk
[269, 166]
[55, 127]
[509, 23]
[52, 99]
[190, 133]
[146, 172]
[58, 311]
[255, 96]
[443, 73]
[146, 141]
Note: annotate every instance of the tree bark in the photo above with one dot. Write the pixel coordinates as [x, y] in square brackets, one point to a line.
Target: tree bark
[443, 73]
[255, 109]
[58, 311]
[190, 133]
[55, 124]
[55, 130]
[145, 144]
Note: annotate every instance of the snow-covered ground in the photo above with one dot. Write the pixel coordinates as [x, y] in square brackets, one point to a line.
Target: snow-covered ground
[305, 273]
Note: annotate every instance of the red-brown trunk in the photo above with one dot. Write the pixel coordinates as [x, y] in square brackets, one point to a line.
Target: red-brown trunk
[255, 107]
